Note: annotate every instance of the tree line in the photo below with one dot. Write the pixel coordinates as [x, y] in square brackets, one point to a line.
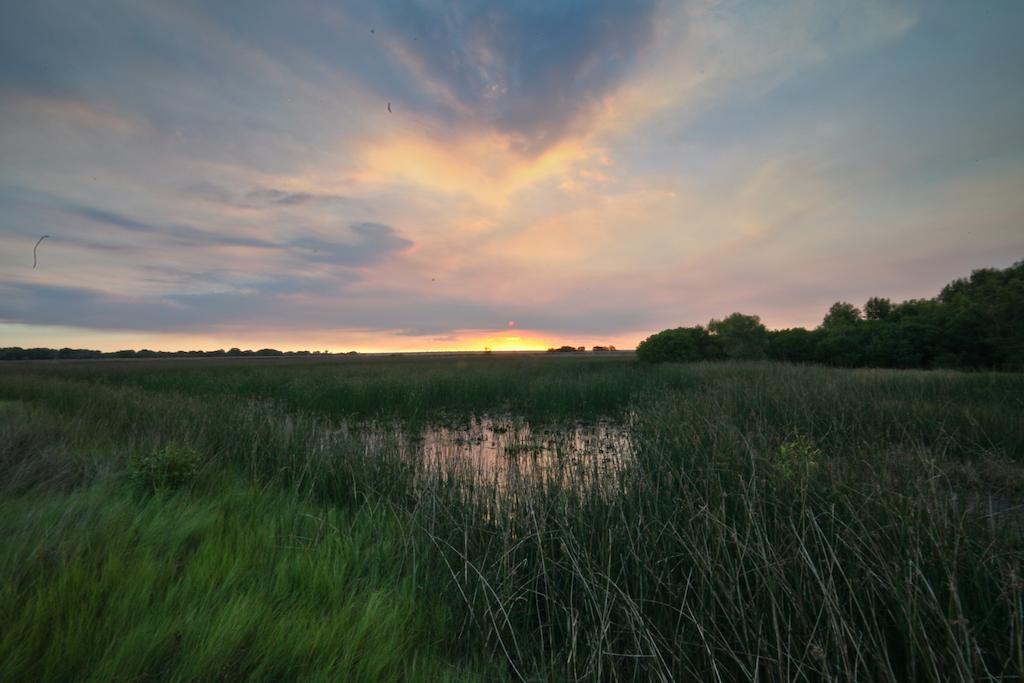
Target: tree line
[975, 322]
[18, 353]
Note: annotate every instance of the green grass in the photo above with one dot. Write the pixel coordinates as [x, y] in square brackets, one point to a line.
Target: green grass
[195, 520]
[247, 584]
[405, 387]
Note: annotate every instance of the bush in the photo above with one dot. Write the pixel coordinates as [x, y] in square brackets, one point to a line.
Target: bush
[797, 458]
[170, 467]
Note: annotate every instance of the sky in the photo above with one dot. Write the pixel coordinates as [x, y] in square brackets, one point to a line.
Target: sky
[387, 175]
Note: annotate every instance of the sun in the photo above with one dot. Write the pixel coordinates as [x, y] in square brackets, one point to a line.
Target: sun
[503, 341]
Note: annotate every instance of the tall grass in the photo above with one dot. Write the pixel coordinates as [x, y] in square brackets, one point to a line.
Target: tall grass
[249, 584]
[776, 523]
[409, 388]
[781, 526]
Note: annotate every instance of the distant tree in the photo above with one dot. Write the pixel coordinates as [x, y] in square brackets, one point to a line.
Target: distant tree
[78, 353]
[841, 314]
[916, 309]
[741, 337]
[985, 314]
[678, 345]
[892, 345]
[877, 308]
[39, 353]
[842, 344]
[795, 345]
[975, 322]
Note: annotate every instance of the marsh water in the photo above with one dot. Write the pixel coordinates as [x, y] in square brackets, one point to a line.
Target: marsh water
[502, 449]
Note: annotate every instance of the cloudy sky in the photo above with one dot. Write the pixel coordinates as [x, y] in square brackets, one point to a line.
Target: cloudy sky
[216, 174]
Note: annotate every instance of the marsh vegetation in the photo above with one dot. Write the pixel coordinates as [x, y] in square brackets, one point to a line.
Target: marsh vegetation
[383, 519]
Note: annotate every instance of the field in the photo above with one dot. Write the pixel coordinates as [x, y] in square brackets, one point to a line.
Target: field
[220, 519]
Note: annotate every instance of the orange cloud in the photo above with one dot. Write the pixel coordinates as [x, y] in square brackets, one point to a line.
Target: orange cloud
[485, 165]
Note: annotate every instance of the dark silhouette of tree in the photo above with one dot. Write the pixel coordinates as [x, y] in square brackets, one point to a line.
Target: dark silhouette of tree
[678, 345]
[794, 345]
[741, 337]
[986, 316]
[18, 353]
[975, 322]
[877, 308]
[841, 314]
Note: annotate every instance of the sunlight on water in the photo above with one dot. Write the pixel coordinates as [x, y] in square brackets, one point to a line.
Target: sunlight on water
[498, 450]
[501, 450]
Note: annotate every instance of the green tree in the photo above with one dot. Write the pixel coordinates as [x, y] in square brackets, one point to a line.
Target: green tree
[678, 345]
[843, 344]
[795, 345]
[983, 317]
[877, 308]
[841, 314]
[741, 336]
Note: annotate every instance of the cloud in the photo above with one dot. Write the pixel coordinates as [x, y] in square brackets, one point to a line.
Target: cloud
[258, 197]
[270, 195]
[369, 242]
[524, 68]
[303, 304]
[372, 242]
[181, 234]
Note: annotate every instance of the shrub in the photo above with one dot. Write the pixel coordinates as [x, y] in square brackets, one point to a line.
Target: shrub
[169, 467]
[797, 458]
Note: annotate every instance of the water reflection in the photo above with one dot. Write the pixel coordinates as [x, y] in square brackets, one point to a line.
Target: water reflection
[503, 450]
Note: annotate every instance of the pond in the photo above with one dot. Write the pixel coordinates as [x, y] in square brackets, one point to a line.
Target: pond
[504, 449]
